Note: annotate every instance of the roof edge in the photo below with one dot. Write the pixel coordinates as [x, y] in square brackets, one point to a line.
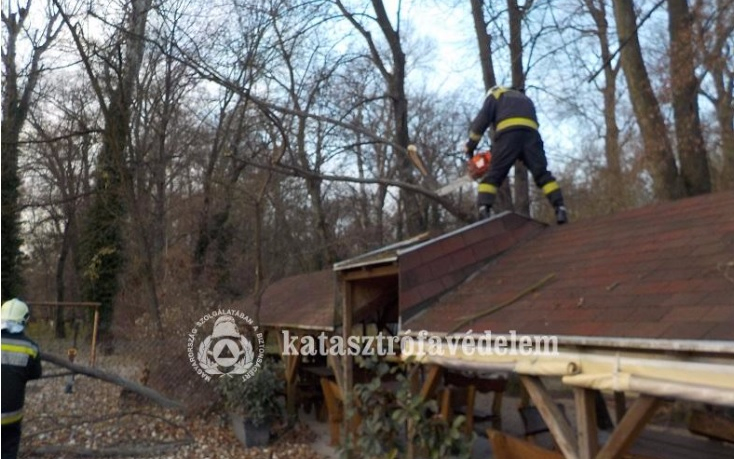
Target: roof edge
[458, 231]
[365, 258]
[642, 344]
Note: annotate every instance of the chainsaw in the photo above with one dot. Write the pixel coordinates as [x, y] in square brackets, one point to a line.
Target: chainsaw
[476, 167]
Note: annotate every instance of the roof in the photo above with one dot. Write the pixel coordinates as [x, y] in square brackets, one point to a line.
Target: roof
[386, 254]
[663, 271]
[433, 267]
[305, 301]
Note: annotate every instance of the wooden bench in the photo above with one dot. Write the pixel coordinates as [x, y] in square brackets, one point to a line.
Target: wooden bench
[465, 403]
[665, 445]
[458, 400]
[649, 445]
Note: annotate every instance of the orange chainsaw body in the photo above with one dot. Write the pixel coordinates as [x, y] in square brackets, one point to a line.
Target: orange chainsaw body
[478, 165]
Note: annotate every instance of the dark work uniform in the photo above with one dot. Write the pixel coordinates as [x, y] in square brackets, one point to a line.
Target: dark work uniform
[21, 363]
[512, 116]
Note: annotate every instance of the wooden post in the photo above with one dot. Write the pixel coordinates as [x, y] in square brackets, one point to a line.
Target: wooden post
[347, 361]
[588, 439]
[552, 416]
[434, 374]
[620, 406]
[290, 366]
[524, 397]
[95, 329]
[632, 424]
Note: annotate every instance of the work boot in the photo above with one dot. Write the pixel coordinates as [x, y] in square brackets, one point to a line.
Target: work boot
[561, 215]
[485, 212]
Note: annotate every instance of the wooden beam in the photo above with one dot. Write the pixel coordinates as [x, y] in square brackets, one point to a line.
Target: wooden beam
[429, 386]
[290, 364]
[630, 427]
[337, 367]
[711, 425]
[507, 447]
[587, 436]
[333, 407]
[552, 415]
[370, 272]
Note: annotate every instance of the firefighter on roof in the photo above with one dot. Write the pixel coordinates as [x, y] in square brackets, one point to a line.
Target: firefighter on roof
[21, 363]
[511, 116]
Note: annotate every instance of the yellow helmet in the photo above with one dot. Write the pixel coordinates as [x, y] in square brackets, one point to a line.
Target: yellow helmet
[15, 311]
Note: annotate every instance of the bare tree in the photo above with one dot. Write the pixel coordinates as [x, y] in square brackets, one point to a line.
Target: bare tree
[309, 74]
[516, 14]
[19, 85]
[393, 72]
[714, 37]
[658, 150]
[598, 11]
[59, 165]
[114, 185]
[694, 165]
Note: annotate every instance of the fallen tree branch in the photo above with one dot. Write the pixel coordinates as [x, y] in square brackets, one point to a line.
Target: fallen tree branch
[114, 379]
[115, 451]
[69, 422]
[295, 171]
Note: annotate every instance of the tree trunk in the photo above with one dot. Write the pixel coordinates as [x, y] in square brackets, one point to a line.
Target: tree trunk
[484, 41]
[725, 115]
[694, 164]
[205, 231]
[713, 28]
[409, 205]
[611, 135]
[59, 329]
[412, 206]
[114, 189]
[15, 106]
[112, 378]
[615, 192]
[658, 154]
[522, 184]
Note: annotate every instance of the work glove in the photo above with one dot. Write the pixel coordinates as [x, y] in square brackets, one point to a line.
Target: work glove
[469, 148]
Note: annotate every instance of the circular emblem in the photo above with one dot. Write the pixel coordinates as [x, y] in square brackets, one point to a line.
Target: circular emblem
[235, 346]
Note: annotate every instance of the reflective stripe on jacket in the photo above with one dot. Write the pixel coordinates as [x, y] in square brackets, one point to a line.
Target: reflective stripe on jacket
[20, 363]
[504, 109]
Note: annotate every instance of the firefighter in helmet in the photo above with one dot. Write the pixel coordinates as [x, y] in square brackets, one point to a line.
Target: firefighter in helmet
[514, 126]
[21, 363]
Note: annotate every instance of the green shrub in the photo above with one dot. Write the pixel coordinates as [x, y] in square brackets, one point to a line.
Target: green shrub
[257, 398]
[393, 419]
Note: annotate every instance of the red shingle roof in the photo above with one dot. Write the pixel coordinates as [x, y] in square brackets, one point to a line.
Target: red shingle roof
[662, 271]
[440, 264]
[304, 301]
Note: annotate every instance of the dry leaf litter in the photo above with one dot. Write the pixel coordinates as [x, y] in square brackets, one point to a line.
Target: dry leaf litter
[95, 419]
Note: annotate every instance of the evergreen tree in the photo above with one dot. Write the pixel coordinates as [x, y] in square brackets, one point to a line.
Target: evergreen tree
[12, 281]
[102, 236]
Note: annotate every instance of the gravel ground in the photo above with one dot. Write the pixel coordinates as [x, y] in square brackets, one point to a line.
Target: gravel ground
[95, 421]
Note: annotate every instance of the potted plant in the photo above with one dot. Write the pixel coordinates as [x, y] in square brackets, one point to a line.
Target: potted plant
[253, 404]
